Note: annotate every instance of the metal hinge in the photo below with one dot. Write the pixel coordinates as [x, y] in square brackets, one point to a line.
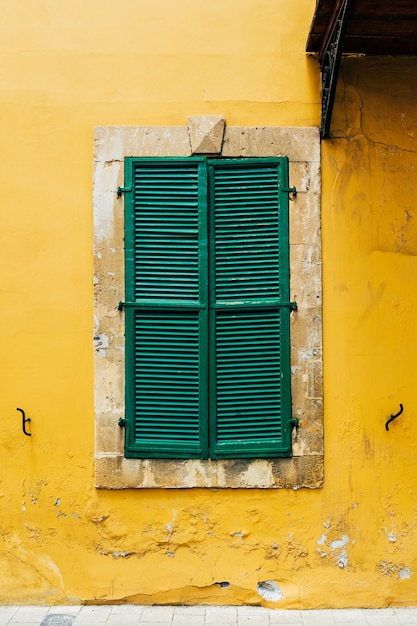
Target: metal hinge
[121, 190]
[292, 190]
[122, 422]
[123, 305]
[294, 422]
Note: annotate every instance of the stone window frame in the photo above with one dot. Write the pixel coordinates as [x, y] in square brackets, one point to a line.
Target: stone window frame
[210, 136]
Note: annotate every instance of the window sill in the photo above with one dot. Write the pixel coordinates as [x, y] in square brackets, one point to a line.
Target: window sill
[117, 472]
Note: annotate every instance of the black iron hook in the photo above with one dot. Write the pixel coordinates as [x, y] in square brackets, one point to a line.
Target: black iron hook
[24, 420]
[392, 417]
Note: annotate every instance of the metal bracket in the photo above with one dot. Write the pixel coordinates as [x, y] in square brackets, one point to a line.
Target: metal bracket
[294, 422]
[123, 305]
[393, 417]
[122, 422]
[25, 420]
[329, 59]
[292, 190]
[293, 306]
[121, 190]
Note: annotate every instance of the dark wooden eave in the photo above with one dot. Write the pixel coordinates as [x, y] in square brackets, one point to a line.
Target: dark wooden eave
[371, 27]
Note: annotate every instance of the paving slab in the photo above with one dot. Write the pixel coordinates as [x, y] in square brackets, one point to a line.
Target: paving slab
[157, 614]
[134, 615]
[285, 617]
[122, 620]
[29, 614]
[348, 616]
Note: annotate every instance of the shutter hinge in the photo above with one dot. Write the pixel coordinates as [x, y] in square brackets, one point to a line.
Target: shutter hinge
[292, 190]
[122, 422]
[123, 305]
[121, 190]
[294, 422]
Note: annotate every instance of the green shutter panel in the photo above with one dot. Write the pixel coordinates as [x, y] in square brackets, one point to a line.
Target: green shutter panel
[166, 312]
[250, 362]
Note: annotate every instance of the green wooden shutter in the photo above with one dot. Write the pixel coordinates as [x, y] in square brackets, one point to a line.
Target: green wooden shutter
[177, 349]
[166, 309]
[249, 320]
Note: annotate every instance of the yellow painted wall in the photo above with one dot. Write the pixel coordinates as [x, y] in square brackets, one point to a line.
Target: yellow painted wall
[69, 66]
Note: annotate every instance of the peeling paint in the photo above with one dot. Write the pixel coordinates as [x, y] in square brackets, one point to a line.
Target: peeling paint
[101, 341]
[123, 555]
[269, 590]
[342, 560]
[223, 585]
[334, 545]
[404, 573]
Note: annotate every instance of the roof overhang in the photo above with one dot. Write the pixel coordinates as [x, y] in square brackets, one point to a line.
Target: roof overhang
[371, 27]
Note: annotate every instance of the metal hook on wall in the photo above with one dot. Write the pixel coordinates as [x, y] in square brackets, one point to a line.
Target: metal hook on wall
[392, 417]
[24, 421]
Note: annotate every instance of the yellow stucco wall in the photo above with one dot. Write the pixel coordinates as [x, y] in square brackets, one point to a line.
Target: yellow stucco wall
[69, 66]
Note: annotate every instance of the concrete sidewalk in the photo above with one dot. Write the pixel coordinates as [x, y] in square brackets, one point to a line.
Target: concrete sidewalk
[134, 615]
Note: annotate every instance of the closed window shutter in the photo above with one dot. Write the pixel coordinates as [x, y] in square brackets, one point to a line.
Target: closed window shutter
[166, 316]
[250, 364]
[207, 325]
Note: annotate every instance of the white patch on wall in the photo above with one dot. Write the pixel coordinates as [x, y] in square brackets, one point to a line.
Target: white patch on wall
[340, 543]
[106, 177]
[101, 341]
[270, 591]
[343, 560]
[404, 573]
[341, 556]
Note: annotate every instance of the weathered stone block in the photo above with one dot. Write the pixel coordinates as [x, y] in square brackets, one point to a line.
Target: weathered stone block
[206, 134]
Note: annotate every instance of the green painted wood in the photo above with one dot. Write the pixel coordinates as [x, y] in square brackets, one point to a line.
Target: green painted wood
[250, 384]
[166, 321]
[207, 315]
